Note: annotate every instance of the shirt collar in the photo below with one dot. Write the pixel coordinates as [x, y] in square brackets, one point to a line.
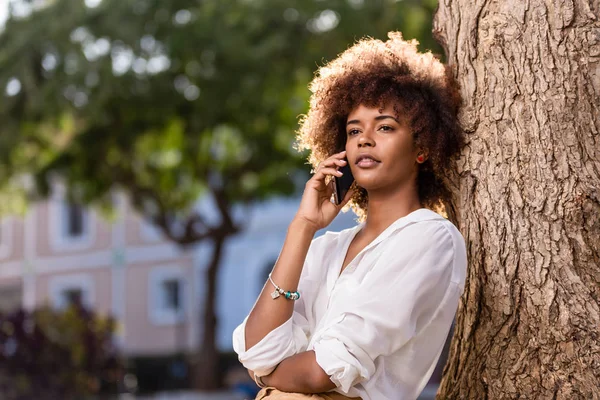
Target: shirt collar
[421, 214]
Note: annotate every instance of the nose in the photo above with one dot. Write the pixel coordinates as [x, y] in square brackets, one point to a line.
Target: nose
[366, 139]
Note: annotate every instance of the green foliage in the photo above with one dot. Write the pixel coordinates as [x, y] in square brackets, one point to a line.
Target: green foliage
[171, 100]
[50, 354]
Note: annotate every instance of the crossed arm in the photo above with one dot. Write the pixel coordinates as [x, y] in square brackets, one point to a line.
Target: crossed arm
[299, 373]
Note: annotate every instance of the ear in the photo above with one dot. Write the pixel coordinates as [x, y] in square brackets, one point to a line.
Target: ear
[422, 153]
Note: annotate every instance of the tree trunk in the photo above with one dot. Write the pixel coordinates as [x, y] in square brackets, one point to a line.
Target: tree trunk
[528, 201]
[207, 374]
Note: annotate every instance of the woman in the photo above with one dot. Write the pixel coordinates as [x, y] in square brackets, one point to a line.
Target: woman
[364, 313]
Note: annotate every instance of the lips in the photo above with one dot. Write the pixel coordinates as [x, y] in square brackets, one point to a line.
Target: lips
[366, 161]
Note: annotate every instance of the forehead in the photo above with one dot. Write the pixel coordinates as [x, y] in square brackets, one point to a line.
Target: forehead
[368, 112]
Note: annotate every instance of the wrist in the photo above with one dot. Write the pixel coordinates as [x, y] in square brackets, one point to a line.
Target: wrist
[301, 224]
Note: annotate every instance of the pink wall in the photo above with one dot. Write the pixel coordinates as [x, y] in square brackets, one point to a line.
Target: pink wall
[12, 281]
[102, 287]
[141, 335]
[101, 241]
[15, 251]
[133, 231]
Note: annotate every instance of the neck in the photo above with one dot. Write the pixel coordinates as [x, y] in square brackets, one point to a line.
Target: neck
[384, 209]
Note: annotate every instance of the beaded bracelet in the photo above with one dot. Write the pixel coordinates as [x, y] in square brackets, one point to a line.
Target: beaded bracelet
[279, 291]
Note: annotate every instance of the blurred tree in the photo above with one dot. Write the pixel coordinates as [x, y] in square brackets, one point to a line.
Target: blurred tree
[172, 101]
[48, 354]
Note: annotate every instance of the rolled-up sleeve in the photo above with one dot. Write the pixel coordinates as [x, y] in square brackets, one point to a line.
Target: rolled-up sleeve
[289, 338]
[282, 342]
[396, 299]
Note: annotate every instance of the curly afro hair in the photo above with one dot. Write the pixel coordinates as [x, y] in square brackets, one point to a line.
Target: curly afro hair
[375, 73]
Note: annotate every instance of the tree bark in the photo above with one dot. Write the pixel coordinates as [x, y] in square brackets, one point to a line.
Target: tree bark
[528, 198]
[207, 375]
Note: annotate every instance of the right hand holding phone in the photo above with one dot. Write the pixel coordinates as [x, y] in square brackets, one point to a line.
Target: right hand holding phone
[316, 207]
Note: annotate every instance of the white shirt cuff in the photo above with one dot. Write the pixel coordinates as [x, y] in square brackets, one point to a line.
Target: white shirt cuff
[279, 344]
[342, 367]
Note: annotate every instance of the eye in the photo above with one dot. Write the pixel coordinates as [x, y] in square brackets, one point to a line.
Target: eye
[352, 132]
[386, 128]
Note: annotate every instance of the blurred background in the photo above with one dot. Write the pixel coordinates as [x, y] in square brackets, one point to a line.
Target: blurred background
[147, 177]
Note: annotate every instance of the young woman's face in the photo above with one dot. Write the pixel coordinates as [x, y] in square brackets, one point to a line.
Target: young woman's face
[380, 150]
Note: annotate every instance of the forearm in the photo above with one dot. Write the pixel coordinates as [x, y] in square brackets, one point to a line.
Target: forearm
[267, 314]
[299, 374]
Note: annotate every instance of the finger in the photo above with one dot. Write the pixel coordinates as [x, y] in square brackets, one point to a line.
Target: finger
[340, 163]
[322, 173]
[331, 162]
[339, 155]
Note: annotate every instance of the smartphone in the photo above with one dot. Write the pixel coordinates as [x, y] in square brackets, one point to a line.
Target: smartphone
[342, 184]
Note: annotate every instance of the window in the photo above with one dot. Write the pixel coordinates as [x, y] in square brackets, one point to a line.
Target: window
[69, 289]
[74, 220]
[167, 295]
[171, 288]
[71, 225]
[72, 296]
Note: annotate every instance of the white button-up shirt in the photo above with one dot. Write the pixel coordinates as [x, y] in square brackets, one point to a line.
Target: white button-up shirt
[378, 328]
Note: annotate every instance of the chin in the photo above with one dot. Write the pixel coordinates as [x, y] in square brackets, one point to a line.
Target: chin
[368, 183]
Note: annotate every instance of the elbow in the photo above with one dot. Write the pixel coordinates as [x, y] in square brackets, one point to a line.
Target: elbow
[319, 381]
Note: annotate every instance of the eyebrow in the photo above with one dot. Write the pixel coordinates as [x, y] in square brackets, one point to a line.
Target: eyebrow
[378, 118]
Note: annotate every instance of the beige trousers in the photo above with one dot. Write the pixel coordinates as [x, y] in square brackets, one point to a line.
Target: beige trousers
[270, 393]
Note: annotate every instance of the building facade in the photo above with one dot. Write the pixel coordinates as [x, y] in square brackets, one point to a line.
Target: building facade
[124, 267]
[60, 251]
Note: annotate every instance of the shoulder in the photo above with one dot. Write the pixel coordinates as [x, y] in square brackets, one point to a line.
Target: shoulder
[430, 229]
[435, 238]
[436, 229]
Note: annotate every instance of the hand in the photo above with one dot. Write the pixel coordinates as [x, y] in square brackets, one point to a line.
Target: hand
[316, 207]
[264, 378]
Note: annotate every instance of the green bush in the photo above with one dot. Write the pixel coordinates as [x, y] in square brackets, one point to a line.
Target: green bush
[48, 354]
